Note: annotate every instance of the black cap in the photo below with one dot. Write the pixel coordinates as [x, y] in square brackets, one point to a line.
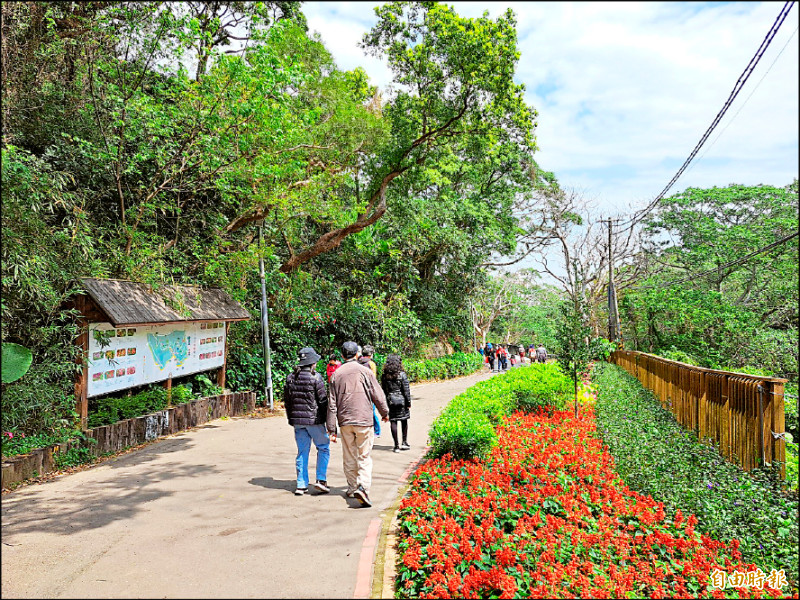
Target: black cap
[307, 356]
[367, 351]
[349, 350]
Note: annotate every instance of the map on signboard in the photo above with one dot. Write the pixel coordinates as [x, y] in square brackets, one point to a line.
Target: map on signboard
[166, 347]
[125, 357]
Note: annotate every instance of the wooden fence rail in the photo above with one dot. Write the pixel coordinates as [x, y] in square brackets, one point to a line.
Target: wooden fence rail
[740, 414]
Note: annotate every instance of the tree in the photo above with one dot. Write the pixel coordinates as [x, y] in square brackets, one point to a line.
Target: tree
[455, 81]
[581, 242]
[573, 335]
[697, 302]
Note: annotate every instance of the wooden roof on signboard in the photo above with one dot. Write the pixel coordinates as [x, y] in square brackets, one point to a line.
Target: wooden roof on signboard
[131, 303]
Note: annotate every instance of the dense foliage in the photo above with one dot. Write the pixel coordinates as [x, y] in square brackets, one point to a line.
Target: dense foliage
[737, 313]
[656, 456]
[141, 148]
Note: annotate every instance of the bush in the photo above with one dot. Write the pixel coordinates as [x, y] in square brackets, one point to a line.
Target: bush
[465, 435]
[465, 429]
[444, 367]
[109, 409]
[656, 456]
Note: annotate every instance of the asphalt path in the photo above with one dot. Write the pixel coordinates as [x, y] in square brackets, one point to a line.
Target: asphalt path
[206, 513]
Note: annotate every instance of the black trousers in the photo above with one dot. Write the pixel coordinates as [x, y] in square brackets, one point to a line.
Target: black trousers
[393, 425]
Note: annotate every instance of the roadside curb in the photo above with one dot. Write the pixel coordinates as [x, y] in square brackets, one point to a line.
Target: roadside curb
[383, 568]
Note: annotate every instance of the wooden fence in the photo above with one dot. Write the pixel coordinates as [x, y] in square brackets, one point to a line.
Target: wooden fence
[740, 414]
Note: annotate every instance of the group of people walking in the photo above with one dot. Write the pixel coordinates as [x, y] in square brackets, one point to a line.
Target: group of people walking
[498, 356]
[351, 409]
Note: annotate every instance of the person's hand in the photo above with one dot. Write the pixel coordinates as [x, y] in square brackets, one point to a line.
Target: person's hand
[333, 437]
[385, 419]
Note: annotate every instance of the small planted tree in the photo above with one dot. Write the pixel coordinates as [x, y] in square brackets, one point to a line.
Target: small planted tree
[573, 334]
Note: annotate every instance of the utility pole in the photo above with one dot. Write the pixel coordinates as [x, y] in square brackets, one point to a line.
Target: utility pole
[265, 322]
[612, 302]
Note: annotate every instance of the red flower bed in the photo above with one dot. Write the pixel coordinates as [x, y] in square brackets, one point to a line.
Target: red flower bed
[545, 516]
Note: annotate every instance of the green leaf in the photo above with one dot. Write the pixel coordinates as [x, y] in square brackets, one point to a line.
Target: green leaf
[16, 361]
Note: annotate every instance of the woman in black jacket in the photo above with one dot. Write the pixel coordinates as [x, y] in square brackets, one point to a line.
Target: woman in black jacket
[394, 382]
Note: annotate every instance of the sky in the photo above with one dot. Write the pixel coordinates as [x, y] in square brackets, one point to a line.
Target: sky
[625, 90]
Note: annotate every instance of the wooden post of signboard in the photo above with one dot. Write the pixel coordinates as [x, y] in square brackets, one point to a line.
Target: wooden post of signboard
[168, 386]
[221, 371]
[82, 376]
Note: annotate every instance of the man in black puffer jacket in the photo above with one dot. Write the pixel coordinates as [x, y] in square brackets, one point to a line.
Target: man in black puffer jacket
[306, 403]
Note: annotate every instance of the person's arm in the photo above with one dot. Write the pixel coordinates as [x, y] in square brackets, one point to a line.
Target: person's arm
[406, 390]
[287, 400]
[376, 395]
[319, 390]
[331, 420]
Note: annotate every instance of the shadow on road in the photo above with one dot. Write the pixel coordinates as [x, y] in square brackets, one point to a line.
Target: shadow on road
[92, 506]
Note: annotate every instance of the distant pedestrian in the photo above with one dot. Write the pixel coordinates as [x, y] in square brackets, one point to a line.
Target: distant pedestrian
[502, 357]
[394, 382]
[306, 404]
[490, 355]
[541, 354]
[333, 364]
[365, 358]
[352, 393]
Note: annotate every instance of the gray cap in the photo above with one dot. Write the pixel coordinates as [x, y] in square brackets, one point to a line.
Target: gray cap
[307, 356]
[349, 350]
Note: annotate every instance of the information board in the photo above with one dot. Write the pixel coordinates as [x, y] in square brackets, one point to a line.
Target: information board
[123, 357]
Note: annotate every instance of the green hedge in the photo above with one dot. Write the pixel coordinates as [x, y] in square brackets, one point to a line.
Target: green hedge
[466, 427]
[658, 457]
[444, 367]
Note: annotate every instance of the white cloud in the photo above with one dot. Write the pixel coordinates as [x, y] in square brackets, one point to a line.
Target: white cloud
[625, 90]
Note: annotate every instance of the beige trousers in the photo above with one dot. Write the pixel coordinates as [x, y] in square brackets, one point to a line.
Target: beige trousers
[357, 443]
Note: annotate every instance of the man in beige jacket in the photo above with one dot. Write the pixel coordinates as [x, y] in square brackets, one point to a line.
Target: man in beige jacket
[352, 391]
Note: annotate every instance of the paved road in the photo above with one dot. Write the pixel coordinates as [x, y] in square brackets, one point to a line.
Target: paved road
[208, 513]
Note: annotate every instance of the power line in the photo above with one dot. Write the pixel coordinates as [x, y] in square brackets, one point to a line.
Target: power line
[736, 114]
[736, 89]
[717, 269]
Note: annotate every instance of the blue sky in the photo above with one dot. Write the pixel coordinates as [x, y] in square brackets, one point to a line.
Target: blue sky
[624, 90]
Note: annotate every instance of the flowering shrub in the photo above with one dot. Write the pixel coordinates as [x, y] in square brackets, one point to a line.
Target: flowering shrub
[546, 516]
[465, 428]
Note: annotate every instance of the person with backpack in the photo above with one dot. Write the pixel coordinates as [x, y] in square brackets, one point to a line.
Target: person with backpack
[502, 357]
[490, 355]
[394, 383]
[365, 358]
[306, 403]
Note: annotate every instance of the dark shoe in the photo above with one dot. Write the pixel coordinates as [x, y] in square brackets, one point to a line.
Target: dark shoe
[362, 496]
[300, 491]
[397, 448]
[322, 486]
[405, 446]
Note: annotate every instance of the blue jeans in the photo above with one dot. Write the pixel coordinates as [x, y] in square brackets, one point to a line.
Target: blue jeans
[304, 435]
[376, 422]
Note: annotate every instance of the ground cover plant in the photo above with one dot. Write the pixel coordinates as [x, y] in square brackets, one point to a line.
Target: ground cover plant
[656, 456]
[546, 516]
